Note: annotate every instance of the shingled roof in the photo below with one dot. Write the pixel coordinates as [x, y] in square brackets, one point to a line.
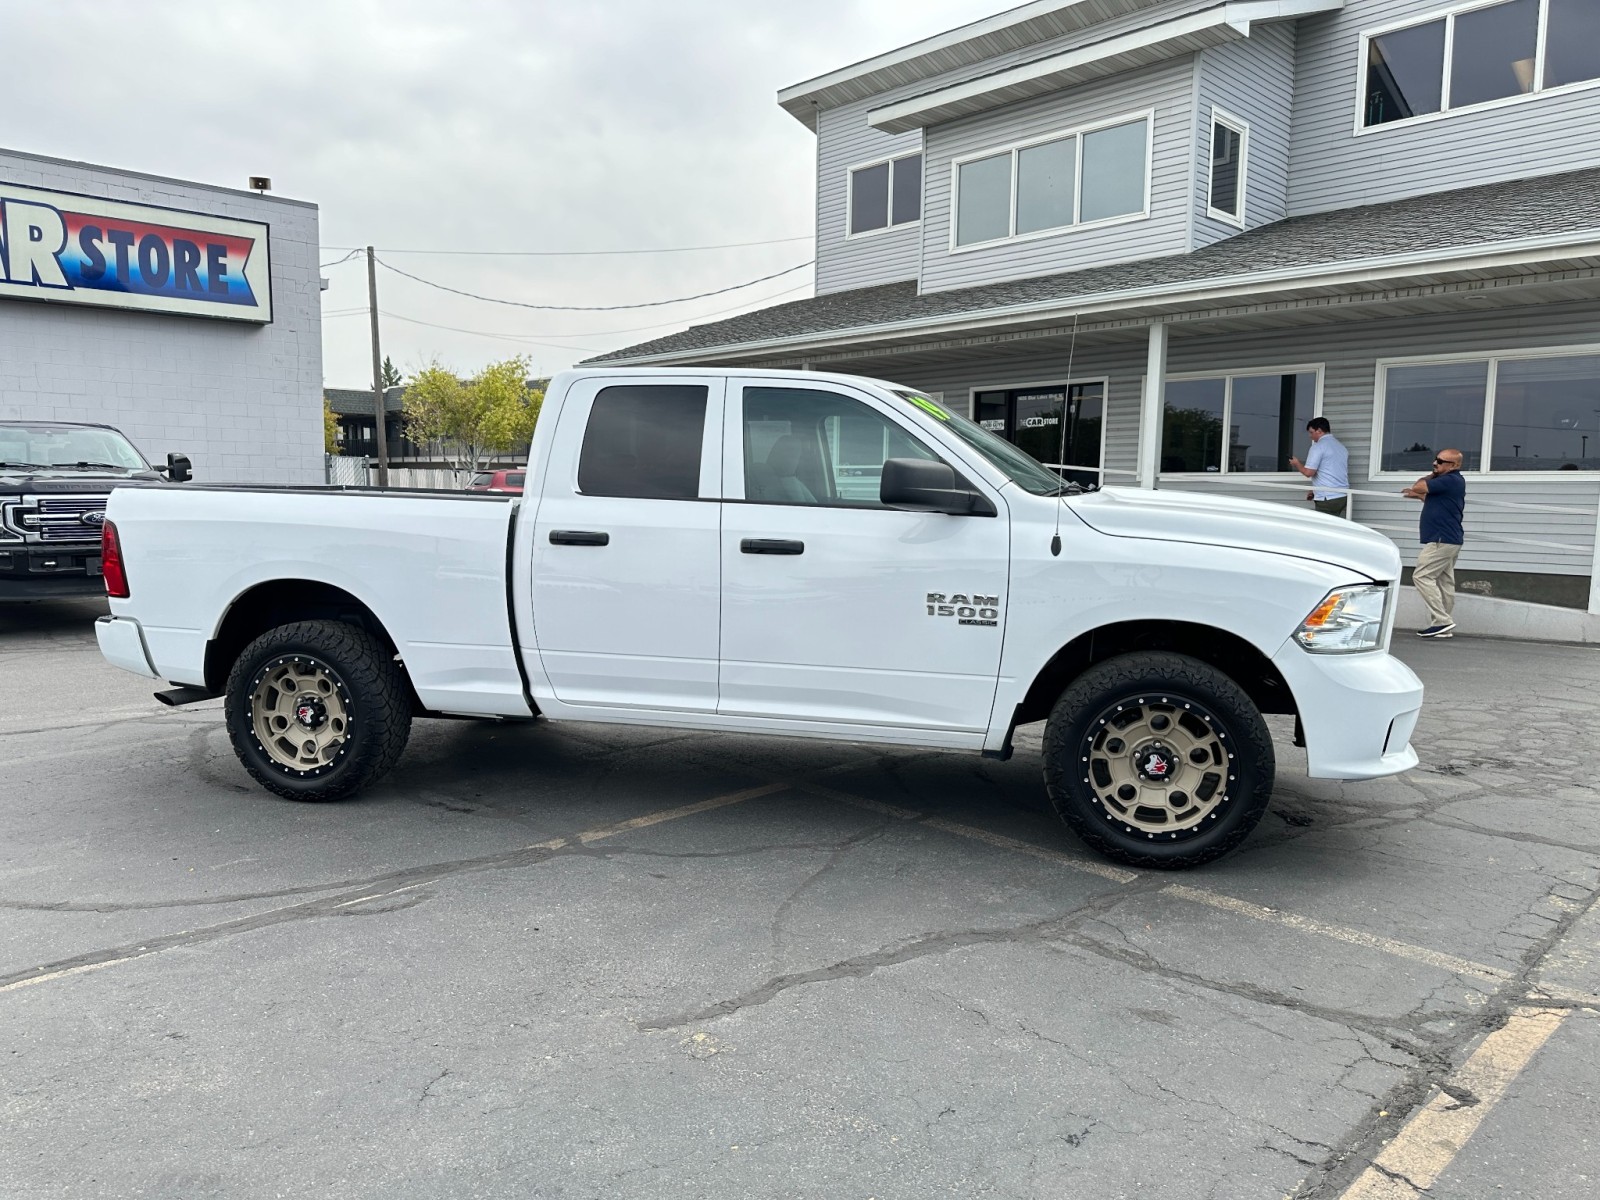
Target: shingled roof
[357, 402]
[1549, 206]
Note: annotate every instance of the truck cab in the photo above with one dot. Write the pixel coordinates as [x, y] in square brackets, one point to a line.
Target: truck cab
[55, 477]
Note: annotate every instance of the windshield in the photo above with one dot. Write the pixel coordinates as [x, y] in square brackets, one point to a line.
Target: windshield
[1017, 465]
[67, 447]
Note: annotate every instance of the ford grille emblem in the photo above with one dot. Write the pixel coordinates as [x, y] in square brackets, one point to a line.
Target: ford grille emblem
[93, 518]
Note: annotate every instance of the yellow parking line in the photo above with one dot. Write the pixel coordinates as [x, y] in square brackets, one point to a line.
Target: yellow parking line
[1356, 937]
[1428, 1143]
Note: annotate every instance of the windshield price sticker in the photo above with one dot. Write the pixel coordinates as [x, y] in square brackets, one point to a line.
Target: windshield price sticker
[73, 249]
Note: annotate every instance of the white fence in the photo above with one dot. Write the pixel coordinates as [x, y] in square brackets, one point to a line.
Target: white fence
[352, 471]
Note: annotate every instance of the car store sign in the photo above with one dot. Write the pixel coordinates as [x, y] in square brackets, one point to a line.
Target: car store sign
[73, 249]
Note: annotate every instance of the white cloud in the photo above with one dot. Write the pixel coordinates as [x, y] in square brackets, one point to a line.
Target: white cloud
[478, 124]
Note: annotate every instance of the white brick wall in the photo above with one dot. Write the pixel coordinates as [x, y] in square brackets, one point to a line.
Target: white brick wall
[243, 401]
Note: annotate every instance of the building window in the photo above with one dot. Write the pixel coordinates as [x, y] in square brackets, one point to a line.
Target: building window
[886, 194]
[1032, 419]
[1235, 424]
[1229, 136]
[1478, 54]
[1078, 177]
[1529, 413]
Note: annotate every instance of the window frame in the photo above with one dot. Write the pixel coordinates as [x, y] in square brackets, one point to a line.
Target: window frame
[1317, 369]
[1065, 385]
[1380, 401]
[1242, 127]
[891, 160]
[1448, 13]
[733, 470]
[1148, 116]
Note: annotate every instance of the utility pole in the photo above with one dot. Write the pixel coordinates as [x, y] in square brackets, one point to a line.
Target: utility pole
[377, 374]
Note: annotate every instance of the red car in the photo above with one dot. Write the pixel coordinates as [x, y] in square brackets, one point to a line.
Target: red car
[508, 481]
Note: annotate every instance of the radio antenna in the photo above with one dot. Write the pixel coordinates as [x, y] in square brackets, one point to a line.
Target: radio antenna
[1061, 453]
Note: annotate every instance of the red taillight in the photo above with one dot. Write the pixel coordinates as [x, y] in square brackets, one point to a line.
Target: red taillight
[111, 563]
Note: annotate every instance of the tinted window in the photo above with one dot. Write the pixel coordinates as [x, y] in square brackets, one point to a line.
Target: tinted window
[1572, 42]
[1268, 418]
[1547, 414]
[806, 446]
[483, 480]
[869, 198]
[1405, 73]
[1226, 146]
[1431, 408]
[1492, 52]
[907, 190]
[516, 479]
[1191, 433]
[644, 440]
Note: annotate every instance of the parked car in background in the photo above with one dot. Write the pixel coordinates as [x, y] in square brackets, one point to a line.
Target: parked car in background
[509, 481]
[55, 477]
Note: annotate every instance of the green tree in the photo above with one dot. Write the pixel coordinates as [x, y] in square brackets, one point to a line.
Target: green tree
[391, 373]
[330, 428]
[471, 420]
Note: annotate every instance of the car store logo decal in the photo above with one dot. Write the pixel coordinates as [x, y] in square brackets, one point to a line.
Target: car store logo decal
[84, 250]
[967, 609]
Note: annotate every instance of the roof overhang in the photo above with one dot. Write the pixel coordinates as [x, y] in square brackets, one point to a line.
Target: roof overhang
[1126, 52]
[1492, 270]
[1006, 32]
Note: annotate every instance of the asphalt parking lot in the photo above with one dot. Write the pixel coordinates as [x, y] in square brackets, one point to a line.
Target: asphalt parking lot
[574, 961]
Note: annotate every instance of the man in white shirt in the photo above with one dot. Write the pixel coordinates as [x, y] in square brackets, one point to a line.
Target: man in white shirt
[1328, 466]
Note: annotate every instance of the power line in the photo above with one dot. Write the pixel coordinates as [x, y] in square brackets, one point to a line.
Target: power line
[578, 253]
[337, 261]
[595, 307]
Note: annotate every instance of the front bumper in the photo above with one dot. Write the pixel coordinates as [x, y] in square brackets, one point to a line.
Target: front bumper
[122, 643]
[1358, 711]
[31, 572]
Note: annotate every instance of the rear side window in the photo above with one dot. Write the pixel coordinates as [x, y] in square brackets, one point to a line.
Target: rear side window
[643, 441]
[516, 478]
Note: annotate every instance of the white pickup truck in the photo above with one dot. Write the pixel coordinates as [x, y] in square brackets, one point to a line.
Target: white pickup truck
[782, 553]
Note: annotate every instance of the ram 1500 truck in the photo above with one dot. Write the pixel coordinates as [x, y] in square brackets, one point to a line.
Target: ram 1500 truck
[54, 480]
[783, 553]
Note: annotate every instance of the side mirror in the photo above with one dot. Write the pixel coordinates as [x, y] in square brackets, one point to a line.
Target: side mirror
[178, 469]
[918, 485]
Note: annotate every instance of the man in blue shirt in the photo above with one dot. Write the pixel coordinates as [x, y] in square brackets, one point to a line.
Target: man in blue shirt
[1328, 465]
[1444, 503]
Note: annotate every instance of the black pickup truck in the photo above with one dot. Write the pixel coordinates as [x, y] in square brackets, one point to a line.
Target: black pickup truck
[54, 479]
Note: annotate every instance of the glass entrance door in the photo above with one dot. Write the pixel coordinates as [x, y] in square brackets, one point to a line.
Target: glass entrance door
[1032, 419]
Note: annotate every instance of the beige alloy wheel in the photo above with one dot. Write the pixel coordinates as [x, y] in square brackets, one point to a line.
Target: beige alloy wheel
[1160, 764]
[300, 714]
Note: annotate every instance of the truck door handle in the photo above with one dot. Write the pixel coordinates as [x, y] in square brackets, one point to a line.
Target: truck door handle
[579, 537]
[771, 546]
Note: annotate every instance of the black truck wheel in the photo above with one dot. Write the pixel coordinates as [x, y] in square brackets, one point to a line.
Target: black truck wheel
[317, 710]
[1158, 760]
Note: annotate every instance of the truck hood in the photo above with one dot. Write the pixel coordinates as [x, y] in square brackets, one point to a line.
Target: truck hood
[1174, 516]
[39, 482]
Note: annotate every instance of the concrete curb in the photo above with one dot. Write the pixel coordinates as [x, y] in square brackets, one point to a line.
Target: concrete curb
[1485, 616]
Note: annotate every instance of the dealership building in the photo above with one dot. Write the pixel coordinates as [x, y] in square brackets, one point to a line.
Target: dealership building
[186, 315]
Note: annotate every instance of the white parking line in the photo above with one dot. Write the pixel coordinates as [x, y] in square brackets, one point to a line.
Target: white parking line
[1428, 1143]
[1342, 933]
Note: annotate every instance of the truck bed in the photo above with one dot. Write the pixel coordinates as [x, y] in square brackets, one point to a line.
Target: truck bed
[430, 566]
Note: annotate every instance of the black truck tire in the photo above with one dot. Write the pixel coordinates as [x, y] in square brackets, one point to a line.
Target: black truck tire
[317, 710]
[1158, 760]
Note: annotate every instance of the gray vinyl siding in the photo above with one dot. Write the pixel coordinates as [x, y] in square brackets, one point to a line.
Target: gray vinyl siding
[845, 140]
[1167, 88]
[843, 262]
[1254, 81]
[1331, 166]
[1348, 355]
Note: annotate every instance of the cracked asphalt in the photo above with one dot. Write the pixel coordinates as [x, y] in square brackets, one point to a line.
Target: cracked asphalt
[580, 961]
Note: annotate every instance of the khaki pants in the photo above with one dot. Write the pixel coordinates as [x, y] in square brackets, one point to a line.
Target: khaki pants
[1334, 507]
[1435, 580]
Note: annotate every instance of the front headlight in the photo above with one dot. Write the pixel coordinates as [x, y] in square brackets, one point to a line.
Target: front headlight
[1349, 619]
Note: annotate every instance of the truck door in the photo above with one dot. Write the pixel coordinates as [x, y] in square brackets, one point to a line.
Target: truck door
[835, 608]
[625, 558]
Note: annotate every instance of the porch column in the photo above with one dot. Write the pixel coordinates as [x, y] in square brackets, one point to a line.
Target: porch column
[1151, 406]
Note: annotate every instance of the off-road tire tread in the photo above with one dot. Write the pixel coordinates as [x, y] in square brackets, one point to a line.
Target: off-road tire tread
[375, 684]
[1143, 672]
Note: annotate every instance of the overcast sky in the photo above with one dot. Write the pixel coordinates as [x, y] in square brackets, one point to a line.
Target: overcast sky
[473, 125]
